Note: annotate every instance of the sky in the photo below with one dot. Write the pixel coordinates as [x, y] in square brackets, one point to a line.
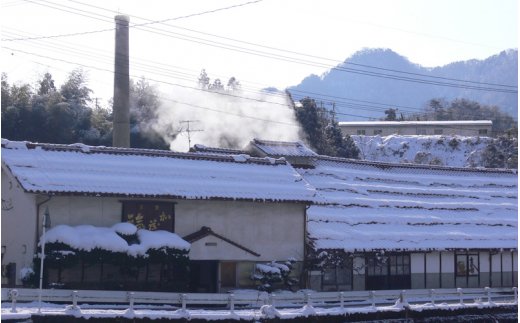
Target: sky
[239, 38]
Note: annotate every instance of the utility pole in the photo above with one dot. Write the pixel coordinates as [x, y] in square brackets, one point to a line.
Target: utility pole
[188, 130]
[333, 112]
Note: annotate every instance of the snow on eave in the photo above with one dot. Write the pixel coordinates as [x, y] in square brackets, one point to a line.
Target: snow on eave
[421, 250]
[412, 123]
[385, 165]
[166, 196]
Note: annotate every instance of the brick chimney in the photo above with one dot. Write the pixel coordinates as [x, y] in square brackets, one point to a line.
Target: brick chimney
[121, 107]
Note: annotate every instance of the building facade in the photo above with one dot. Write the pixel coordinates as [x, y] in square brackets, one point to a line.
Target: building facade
[244, 207]
[480, 128]
[347, 224]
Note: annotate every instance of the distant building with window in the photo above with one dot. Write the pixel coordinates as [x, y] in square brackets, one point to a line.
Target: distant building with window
[385, 128]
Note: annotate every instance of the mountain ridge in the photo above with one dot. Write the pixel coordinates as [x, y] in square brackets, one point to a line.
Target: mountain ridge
[348, 80]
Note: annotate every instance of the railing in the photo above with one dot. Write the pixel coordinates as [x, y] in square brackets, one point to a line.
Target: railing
[240, 299]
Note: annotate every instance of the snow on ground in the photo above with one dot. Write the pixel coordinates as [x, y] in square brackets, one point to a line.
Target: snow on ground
[25, 311]
[438, 150]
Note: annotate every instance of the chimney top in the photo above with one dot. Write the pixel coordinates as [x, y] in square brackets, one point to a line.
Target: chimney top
[122, 17]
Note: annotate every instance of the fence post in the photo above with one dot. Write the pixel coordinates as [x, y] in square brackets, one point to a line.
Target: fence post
[515, 291]
[488, 292]
[461, 301]
[131, 300]
[13, 293]
[341, 300]
[271, 299]
[231, 303]
[402, 297]
[183, 302]
[75, 299]
[373, 298]
[432, 296]
[308, 299]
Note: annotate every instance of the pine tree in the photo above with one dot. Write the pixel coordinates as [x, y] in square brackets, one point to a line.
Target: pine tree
[323, 133]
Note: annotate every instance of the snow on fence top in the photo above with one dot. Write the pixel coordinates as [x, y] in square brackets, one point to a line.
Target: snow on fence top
[371, 206]
[73, 169]
[88, 237]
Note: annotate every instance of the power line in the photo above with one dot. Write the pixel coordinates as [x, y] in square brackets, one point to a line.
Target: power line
[360, 107]
[316, 64]
[134, 25]
[240, 115]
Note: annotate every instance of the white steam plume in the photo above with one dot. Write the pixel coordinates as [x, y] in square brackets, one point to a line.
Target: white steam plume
[228, 119]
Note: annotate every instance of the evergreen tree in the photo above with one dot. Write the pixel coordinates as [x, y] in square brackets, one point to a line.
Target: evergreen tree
[203, 80]
[233, 84]
[46, 85]
[391, 115]
[323, 134]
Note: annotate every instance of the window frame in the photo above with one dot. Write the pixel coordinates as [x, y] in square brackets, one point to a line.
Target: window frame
[395, 265]
[378, 132]
[344, 272]
[467, 259]
[361, 132]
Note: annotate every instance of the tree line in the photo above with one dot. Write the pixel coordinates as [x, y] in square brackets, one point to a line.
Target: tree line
[68, 114]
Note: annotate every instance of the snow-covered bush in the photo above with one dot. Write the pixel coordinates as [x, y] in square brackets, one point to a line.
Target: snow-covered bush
[69, 251]
[27, 276]
[270, 274]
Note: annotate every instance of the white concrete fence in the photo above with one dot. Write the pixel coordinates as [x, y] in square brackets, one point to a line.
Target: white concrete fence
[240, 299]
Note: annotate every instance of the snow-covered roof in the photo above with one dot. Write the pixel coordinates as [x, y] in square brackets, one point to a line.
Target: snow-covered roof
[414, 123]
[282, 148]
[81, 169]
[88, 237]
[371, 206]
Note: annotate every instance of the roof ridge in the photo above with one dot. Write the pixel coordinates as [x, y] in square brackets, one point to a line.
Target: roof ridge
[278, 142]
[416, 166]
[79, 147]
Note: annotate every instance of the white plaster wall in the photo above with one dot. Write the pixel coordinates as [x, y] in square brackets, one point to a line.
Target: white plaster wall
[274, 230]
[77, 210]
[448, 262]
[484, 262]
[432, 262]
[495, 262]
[18, 224]
[417, 263]
[506, 261]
